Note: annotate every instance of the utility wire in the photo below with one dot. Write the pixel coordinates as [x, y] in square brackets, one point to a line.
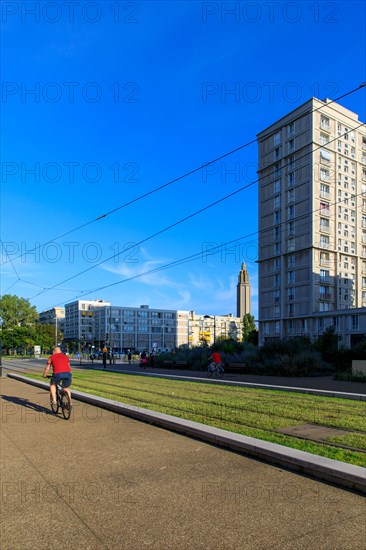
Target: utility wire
[197, 255]
[189, 173]
[46, 289]
[136, 199]
[194, 256]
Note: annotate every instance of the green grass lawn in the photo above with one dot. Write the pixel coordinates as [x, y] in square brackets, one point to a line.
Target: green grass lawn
[253, 412]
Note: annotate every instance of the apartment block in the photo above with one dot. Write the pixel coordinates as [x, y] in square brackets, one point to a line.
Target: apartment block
[141, 328]
[208, 329]
[312, 224]
[53, 316]
[79, 320]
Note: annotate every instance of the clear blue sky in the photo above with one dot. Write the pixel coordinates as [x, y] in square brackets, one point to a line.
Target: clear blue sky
[128, 96]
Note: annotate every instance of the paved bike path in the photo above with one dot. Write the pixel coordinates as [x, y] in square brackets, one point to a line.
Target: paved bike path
[104, 481]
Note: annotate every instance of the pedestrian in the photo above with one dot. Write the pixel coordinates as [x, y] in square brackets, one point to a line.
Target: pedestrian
[104, 356]
[129, 357]
[143, 362]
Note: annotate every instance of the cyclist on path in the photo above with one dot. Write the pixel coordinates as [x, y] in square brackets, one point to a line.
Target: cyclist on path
[60, 371]
[215, 358]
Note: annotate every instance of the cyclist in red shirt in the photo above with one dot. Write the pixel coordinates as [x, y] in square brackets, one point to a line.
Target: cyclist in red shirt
[60, 371]
[216, 358]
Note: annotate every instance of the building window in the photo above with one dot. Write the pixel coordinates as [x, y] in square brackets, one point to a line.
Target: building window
[324, 139]
[290, 179]
[324, 224]
[324, 292]
[325, 155]
[291, 277]
[354, 322]
[324, 174]
[324, 190]
[277, 138]
[291, 261]
[324, 123]
[276, 201]
[324, 208]
[324, 241]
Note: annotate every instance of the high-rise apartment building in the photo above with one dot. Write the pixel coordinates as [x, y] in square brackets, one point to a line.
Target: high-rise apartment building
[312, 223]
[243, 293]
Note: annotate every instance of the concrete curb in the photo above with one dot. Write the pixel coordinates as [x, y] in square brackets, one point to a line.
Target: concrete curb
[325, 469]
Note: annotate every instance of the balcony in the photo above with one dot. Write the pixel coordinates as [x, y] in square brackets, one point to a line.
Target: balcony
[327, 296]
[324, 229]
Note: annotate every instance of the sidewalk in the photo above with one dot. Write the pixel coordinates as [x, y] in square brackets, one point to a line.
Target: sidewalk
[104, 481]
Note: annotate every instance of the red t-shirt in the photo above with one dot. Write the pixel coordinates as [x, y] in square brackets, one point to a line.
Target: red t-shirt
[216, 357]
[60, 363]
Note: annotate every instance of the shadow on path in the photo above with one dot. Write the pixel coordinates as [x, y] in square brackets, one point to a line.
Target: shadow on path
[27, 404]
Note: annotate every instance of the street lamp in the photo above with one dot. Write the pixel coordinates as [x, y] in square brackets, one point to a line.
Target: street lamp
[214, 326]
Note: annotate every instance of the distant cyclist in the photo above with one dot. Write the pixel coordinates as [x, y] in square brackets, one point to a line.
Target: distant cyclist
[215, 359]
[60, 364]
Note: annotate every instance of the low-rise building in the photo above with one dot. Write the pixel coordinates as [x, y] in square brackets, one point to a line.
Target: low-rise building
[54, 316]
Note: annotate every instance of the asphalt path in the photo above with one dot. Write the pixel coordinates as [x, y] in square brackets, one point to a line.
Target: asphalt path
[104, 481]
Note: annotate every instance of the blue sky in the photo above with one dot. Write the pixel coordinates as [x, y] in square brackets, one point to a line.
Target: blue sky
[128, 96]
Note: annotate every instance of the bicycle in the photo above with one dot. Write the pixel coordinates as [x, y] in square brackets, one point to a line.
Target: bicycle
[62, 401]
[215, 369]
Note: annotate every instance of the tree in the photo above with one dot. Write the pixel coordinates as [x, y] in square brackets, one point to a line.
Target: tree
[249, 328]
[45, 336]
[328, 344]
[16, 312]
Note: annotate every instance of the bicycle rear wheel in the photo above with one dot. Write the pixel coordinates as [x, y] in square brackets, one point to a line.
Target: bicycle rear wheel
[55, 407]
[65, 405]
[220, 372]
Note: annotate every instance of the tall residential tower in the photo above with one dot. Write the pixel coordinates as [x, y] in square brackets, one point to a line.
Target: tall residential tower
[312, 223]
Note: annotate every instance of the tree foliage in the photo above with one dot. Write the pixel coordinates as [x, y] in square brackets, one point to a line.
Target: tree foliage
[249, 329]
[16, 312]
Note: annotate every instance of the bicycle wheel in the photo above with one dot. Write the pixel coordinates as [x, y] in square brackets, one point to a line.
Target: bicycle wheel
[220, 372]
[65, 405]
[55, 407]
[209, 372]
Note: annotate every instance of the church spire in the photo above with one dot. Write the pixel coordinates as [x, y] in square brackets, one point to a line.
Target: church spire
[243, 292]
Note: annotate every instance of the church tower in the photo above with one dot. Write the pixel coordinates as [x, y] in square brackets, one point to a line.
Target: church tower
[243, 293]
